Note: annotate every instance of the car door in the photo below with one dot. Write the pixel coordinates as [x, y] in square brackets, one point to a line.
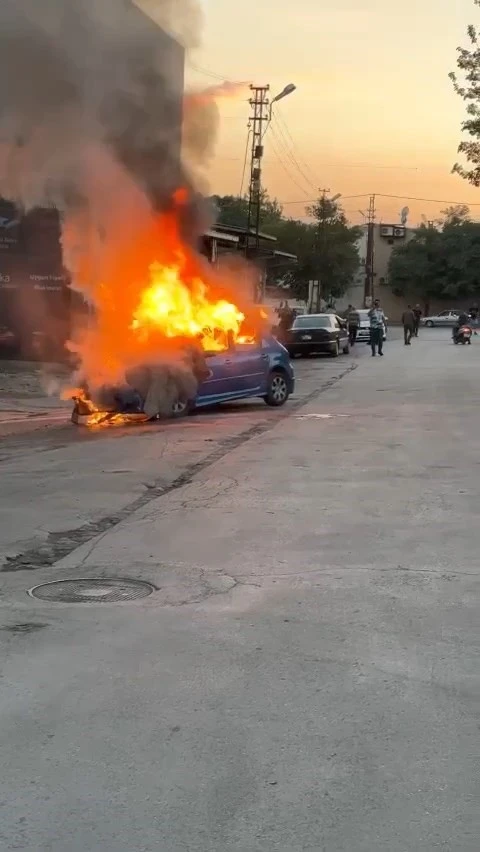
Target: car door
[443, 318]
[218, 384]
[342, 329]
[250, 365]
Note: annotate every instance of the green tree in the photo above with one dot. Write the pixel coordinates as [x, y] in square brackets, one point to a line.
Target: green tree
[456, 214]
[298, 238]
[467, 86]
[326, 247]
[233, 210]
[438, 263]
[335, 257]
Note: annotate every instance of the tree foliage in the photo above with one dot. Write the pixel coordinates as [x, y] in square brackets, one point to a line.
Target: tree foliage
[336, 257]
[325, 247]
[441, 263]
[233, 210]
[467, 86]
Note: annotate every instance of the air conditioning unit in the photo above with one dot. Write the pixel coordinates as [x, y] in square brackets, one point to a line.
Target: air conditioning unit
[386, 231]
[399, 232]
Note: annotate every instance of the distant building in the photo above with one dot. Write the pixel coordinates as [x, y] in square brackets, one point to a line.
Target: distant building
[386, 238]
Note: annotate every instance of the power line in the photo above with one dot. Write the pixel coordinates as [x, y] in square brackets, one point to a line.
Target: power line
[431, 200]
[287, 172]
[207, 73]
[245, 162]
[282, 140]
[280, 118]
[278, 145]
[313, 200]
[285, 169]
[398, 197]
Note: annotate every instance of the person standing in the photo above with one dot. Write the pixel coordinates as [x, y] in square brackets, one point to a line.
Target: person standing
[408, 322]
[417, 312]
[352, 324]
[377, 324]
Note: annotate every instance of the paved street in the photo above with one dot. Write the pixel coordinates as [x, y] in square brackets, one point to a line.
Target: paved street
[305, 677]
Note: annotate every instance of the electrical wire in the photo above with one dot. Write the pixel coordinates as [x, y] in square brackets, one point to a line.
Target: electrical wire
[245, 161]
[398, 197]
[313, 200]
[282, 121]
[431, 200]
[207, 73]
[285, 169]
[286, 162]
[276, 129]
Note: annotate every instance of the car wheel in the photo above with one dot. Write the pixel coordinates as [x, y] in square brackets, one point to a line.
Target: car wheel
[335, 350]
[346, 349]
[429, 324]
[277, 391]
[181, 408]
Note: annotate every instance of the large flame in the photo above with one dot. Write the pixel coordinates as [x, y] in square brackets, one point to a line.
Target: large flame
[177, 310]
[156, 292]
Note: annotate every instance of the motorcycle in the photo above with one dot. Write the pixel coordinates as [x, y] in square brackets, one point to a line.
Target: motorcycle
[463, 335]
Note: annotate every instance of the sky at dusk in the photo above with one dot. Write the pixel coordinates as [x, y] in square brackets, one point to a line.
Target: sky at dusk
[374, 111]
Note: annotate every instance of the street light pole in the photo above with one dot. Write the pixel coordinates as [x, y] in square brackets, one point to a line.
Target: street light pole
[261, 116]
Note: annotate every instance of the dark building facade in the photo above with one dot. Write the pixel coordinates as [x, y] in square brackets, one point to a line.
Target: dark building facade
[146, 71]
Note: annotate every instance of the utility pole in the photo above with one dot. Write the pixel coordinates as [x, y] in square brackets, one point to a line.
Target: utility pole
[323, 193]
[260, 114]
[370, 254]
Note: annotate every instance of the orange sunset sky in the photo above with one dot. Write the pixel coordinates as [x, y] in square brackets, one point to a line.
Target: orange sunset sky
[374, 111]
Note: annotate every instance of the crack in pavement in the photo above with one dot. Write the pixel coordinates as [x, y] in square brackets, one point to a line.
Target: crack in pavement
[59, 545]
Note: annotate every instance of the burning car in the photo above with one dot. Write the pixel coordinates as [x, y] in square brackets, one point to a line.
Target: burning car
[258, 368]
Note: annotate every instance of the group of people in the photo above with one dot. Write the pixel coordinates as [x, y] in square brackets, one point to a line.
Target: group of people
[411, 323]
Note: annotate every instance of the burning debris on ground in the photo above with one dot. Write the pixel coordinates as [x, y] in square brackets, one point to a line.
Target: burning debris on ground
[100, 139]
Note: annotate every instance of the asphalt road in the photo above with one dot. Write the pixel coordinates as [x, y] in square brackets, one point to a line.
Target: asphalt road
[305, 676]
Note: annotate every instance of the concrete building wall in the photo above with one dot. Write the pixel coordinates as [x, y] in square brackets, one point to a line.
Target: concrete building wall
[386, 238]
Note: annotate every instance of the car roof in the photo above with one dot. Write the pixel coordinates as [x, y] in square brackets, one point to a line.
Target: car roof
[316, 315]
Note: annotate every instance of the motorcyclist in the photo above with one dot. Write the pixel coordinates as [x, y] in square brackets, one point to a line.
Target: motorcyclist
[463, 319]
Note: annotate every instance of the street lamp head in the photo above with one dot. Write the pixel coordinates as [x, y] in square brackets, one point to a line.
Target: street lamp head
[288, 90]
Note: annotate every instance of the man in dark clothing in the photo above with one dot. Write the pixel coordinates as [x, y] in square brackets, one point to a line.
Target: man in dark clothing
[352, 323]
[417, 312]
[408, 322]
[463, 319]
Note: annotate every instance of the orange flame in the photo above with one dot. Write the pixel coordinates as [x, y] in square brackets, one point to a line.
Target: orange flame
[157, 293]
[180, 311]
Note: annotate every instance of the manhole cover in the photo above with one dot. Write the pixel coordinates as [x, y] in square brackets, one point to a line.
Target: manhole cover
[92, 591]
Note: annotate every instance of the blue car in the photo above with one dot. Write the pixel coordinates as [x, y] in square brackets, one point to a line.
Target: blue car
[261, 369]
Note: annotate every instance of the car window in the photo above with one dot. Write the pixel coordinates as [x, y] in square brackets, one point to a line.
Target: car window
[444, 314]
[310, 321]
[247, 345]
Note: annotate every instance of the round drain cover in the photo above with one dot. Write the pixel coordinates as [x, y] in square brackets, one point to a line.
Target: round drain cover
[92, 591]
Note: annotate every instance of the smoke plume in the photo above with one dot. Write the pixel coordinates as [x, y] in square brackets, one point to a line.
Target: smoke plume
[91, 122]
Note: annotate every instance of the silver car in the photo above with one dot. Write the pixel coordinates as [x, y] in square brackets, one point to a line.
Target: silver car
[445, 318]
